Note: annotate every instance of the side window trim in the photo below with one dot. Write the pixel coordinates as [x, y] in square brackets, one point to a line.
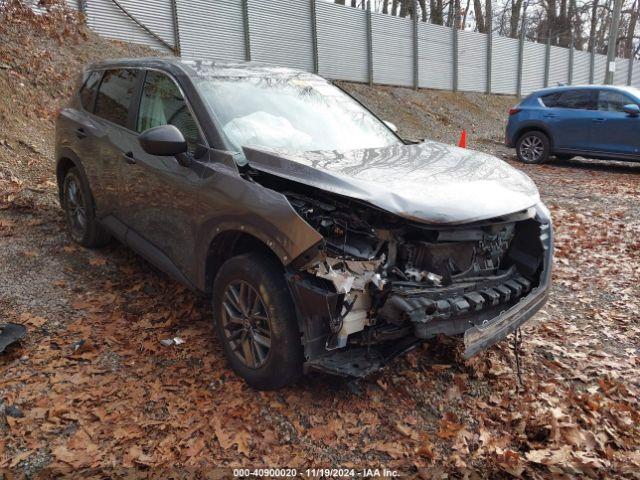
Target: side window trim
[203, 138]
[136, 98]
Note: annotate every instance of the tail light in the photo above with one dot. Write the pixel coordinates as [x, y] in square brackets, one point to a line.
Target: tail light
[513, 111]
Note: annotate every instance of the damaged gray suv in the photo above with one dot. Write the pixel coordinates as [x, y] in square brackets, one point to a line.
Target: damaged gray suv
[325, 242]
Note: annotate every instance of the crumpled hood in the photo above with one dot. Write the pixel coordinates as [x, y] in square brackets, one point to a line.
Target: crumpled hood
[429, 182]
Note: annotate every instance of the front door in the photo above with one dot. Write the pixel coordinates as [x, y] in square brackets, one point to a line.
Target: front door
[162, 199]
[612, 130]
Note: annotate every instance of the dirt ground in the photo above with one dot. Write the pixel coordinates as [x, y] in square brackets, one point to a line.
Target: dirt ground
[91, 390]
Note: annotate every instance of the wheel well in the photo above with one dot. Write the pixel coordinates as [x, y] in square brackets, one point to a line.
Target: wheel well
[535, 128]
[230, 244]
[64, 165]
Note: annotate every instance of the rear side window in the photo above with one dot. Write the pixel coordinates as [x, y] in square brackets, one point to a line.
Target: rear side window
[610, 101]
[114, 97]
[574, 99]
[88, 90]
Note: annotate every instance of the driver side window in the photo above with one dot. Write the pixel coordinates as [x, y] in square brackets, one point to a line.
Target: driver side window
[162, 103]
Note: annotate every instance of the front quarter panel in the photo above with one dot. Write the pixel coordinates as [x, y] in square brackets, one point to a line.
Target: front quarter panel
[232, 203]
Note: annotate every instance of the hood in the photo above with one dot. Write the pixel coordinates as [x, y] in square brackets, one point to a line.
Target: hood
[429, 182]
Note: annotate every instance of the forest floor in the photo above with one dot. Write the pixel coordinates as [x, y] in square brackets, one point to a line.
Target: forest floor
[91, 389]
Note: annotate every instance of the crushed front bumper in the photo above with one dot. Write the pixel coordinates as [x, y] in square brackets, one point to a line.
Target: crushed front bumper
[481, 337]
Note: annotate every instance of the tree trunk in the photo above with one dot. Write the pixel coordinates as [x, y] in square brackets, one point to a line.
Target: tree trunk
[339, 2]
[464, 18]
[633, 21]
[394, 7]
[488, 22]
[516, 6]
[385, 6]
[423, 9]
[477, 12]
[593, 25]
[436, 9]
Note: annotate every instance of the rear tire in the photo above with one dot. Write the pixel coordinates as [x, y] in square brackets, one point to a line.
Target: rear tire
[533, 147]
[256, 323]
[77, 203]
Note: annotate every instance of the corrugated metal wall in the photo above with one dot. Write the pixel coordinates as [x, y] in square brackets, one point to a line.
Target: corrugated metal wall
[435, 61]
[635, 75]
[198, 18]
[104, 17]
[472, 61]
[581, 62]
[504, 65]
[392, 49]
[599, 68]
[533, 67]
[621, 74]
[342, 42]
[558, 65]
[281, 32]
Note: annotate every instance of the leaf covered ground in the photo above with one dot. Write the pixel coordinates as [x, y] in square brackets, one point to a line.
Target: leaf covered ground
[91, 389]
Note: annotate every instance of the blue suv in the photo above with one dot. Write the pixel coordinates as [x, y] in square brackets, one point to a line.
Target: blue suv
[593, 121]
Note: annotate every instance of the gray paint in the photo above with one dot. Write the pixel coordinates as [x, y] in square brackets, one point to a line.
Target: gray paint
[430, 182]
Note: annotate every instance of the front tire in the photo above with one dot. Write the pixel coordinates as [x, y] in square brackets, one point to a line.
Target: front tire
[256, 323]
[77, 203]
[533, 147]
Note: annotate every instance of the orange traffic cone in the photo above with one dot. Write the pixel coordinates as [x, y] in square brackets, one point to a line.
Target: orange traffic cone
[463, 139]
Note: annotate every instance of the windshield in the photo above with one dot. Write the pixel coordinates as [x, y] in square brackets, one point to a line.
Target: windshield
[292, 112]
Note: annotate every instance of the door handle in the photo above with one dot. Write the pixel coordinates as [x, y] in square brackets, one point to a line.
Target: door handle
[80, 133]
[129, 158]
[598, 120]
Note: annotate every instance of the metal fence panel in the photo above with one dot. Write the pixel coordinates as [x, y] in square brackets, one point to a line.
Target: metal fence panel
[392, 49]
[435, 61]
[105, 18]
[281, 32]
[621, 74]
[504, 65]
[533, 67]
[558, 66]
[635, 74]
[211, 30]
[472, 61]
[581, 62]
[342, 42]
[599, 68]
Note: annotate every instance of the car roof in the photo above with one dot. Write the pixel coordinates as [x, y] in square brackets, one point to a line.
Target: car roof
[200, 67]
[561, 88]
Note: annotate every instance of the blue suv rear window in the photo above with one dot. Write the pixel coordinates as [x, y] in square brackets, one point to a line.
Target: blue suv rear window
[575, 99]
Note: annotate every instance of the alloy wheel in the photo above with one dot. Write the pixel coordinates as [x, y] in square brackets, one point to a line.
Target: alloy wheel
[246, 324]
[531, 149]
[76, 208]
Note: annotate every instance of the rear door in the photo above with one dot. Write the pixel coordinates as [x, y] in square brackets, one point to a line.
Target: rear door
[568, 115]
[115, 137]
[612, 130]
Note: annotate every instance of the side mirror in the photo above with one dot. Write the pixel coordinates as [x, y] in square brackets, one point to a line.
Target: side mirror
[632, 110]
[391, 126]
[164, 140]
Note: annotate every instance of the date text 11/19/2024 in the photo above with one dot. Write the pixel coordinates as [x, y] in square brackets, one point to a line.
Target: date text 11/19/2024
[315, 472]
